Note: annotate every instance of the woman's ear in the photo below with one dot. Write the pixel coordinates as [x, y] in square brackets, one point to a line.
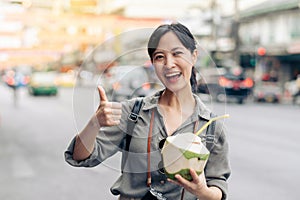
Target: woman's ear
[195, 56]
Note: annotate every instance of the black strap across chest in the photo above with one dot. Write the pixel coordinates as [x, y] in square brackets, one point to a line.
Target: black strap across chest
[132, 119]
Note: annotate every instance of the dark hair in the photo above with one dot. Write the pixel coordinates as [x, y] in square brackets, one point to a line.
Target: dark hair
[185, 37]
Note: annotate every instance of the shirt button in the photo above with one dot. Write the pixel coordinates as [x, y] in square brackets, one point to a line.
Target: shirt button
[162, 182]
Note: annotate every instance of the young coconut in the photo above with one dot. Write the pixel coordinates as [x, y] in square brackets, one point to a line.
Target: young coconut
[182, 152]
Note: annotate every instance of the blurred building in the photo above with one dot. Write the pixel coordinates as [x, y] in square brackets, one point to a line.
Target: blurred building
[64, 32]
[269, 35]
[53, 34]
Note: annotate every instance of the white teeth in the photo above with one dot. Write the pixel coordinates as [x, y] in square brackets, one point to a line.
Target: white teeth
[173, 74]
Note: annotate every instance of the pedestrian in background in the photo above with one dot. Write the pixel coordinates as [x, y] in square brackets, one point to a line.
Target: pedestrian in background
[171, 111]
[297, 92]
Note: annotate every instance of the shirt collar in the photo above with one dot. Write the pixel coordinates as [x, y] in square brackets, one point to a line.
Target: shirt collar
[201, 109]
[152, 101]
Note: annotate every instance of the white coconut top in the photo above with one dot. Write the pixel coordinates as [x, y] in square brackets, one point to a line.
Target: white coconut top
[186, 141]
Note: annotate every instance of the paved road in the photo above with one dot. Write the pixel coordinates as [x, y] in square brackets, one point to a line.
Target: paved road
[263, 140]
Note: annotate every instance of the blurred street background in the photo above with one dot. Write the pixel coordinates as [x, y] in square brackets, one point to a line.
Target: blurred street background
[53, 54]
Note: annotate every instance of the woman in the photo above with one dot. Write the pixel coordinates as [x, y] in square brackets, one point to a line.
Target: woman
[174, 110]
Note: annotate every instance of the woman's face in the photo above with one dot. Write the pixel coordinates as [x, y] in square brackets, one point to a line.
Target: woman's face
[173, 62]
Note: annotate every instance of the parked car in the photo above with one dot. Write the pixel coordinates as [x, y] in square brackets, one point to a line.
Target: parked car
[124, 82]
[267, 92]
[227, 84]
[236, 86]
[43, 83]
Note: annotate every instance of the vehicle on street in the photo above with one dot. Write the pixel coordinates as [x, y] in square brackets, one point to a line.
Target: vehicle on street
[227, 84]
[236, 85]
[267, 92]
[125, 82]
[43, 83]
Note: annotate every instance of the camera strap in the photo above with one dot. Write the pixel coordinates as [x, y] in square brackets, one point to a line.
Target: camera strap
[149, 149]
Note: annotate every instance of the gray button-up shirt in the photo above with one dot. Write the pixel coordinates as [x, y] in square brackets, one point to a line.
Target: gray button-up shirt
[132, 182]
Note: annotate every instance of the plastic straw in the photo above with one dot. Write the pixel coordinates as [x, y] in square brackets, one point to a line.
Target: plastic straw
[210, 121]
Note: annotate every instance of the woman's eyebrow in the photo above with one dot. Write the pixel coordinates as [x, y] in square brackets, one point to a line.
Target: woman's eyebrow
[162, 51]
[177, 48]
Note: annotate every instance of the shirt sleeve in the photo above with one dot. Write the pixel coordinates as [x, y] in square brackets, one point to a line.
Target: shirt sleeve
[217, 169]
[91, 161]
[109, 141]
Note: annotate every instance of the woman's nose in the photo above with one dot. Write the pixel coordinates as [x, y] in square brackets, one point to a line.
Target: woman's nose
[169, 62]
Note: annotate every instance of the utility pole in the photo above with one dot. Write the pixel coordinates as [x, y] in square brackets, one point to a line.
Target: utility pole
[236, 53]
[213, 24]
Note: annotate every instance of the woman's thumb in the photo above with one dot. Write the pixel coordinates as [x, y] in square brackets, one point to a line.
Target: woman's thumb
[102, 94]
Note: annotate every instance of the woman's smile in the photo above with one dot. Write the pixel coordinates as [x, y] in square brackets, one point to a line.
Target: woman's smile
[173, 76]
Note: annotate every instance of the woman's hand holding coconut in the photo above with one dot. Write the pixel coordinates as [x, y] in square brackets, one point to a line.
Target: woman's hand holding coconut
[198, 186]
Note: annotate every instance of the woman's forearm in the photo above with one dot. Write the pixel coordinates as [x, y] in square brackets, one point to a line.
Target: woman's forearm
[85, 140]
[212, 193]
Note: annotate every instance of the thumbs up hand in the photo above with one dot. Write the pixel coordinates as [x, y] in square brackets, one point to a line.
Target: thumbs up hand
[108, 113]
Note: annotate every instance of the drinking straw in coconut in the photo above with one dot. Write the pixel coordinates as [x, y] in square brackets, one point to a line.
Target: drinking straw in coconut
[210, 121]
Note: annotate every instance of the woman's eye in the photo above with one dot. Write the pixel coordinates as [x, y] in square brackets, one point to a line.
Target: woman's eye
[176, 53]
[158, 57]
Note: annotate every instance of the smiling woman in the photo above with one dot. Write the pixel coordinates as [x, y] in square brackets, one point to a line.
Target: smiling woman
[174, 110]
[169, 54]
[176, 44]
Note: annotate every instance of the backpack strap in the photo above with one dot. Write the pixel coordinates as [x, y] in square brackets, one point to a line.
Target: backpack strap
[132, 119]
[210, 134]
